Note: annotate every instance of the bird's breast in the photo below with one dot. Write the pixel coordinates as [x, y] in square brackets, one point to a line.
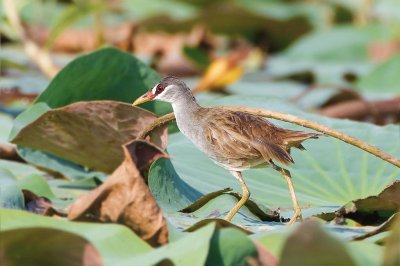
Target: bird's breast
[194, 131]
[191, 130]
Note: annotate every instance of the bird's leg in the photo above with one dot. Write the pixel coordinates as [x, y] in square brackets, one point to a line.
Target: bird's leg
[242, 201]
[288, 178]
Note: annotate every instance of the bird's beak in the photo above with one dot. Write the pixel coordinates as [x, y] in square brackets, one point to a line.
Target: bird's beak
[148, 96]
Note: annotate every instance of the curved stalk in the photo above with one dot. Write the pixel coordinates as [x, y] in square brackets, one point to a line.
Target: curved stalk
[291, 119]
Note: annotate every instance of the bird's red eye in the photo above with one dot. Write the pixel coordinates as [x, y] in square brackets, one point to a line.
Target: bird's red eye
[159, 89]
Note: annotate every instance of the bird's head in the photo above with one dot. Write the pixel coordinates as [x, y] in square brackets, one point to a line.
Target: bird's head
[169, 89]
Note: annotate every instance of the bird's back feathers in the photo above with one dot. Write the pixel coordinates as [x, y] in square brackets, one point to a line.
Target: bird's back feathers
[236, 136]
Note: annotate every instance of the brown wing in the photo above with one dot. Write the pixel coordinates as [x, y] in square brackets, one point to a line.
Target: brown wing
[237, 135]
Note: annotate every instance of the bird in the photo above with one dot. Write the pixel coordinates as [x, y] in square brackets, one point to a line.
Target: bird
[234, 140]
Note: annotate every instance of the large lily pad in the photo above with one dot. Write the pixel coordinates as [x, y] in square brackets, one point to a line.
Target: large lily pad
[87, 133]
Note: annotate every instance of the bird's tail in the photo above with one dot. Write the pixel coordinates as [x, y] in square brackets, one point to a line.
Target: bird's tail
[295, 138]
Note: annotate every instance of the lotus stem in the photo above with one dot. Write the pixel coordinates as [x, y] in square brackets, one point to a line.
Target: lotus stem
[290, 119]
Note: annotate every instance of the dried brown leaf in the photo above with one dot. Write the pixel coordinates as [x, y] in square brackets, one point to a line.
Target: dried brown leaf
[374, 209]
[125, 198]
[89, 133]
[388, 199]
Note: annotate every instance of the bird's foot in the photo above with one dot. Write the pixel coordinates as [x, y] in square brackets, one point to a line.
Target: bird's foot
[297, 216]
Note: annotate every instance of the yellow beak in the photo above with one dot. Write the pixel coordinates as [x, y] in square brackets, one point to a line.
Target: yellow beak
[148, 96]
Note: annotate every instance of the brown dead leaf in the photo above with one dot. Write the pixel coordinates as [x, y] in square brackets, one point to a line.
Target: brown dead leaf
[372, 210]
[89, 133]
[125, 198]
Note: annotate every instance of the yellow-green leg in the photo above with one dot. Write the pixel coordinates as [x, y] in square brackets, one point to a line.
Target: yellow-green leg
[288, 178]
[242, 201]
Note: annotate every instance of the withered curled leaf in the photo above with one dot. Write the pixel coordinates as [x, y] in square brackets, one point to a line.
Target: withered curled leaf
[89, 133]
[374, 210]
[125, 197]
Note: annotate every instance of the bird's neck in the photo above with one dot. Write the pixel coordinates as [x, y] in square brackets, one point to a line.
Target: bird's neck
[185, 110]
[185, 105]
[188, 117]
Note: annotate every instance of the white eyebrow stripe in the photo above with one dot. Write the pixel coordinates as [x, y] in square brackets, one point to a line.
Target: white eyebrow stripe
[153, 90]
